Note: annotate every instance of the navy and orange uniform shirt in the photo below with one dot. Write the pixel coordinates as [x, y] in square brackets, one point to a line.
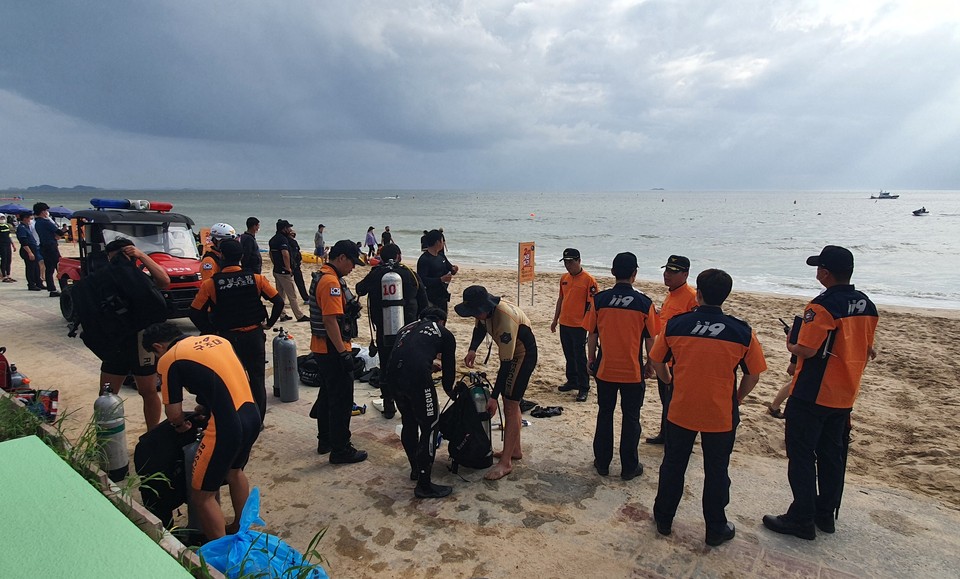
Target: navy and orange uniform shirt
[207, 295]
[577, 293]
[207, 367]
[210, 264]
[622, 318]
[707, 347]
[678, 301]
[840, 324]
[331, 300]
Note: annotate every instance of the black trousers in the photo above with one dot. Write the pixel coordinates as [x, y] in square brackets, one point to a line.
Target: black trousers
[251, 348]
[334, 403]
[298, 281]
[384, 350]
[716, 447]
[416, 398]
[666, 393]
[631, 399]
[574, 343]
[32, 270]
[815, 438]
[6, 255]
[51, 259]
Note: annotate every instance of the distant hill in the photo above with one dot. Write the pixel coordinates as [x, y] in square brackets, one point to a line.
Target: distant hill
[54, 188]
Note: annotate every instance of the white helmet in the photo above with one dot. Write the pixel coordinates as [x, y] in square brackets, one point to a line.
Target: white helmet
[221, 231]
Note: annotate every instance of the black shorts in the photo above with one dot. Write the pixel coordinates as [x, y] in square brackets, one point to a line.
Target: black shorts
[521, 369]
[225, 446]
[129, 357]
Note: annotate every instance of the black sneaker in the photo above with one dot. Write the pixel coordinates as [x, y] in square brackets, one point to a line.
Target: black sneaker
[663, 527]
[323, 447]
[567, 387]
[54, 294]
[581, 397]
[601, 470]
[632, 475]
[781, 524]
[527, 405]
[658, 439]
[825, 523]
[285, 318]
[717, 539]
[431, 491]
[349, 455]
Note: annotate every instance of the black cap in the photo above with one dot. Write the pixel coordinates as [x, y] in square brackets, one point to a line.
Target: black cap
[231, 250]
[624, 264]
[347, 248]
[677, 263]
[833, 258]
[570, 254]
[283, 224]
[476, 300]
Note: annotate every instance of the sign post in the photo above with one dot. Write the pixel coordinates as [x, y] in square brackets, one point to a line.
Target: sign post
[526, 264]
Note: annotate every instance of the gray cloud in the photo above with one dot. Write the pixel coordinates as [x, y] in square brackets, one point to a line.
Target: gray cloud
[569, 95]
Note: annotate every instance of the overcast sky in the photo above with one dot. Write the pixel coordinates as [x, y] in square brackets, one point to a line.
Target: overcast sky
[495, 94]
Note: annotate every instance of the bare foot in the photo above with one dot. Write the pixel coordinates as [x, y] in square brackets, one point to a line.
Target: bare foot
[498, 472]
[499, 453]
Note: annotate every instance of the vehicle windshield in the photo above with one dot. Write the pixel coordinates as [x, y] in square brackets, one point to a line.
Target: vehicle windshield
[173, 238]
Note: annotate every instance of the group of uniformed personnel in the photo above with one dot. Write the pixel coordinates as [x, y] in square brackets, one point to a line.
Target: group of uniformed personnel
[696, 352]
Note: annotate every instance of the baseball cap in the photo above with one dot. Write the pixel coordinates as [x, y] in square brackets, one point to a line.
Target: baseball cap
[677, 263]
[570, 254]
[476, 300]
[624, 264]
[283, 224]
[347, 248]
[833, 258]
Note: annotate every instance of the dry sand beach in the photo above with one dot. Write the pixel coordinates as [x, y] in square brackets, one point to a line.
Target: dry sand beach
[554, 516]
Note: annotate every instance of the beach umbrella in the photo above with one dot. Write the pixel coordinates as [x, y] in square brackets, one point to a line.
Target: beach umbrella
[60, 211]
[13, 209]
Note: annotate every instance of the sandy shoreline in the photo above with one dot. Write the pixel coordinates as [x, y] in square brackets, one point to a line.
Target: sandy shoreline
[553, 507]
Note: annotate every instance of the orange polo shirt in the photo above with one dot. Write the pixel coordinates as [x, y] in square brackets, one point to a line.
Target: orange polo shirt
[331, 300]
[577, 293]
[622, 317]
[678, 301]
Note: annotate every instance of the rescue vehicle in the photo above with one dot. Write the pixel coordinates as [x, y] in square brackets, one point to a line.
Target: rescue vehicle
[166, 237]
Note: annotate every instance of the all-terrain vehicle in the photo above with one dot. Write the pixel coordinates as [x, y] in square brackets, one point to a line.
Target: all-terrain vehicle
[166, 237]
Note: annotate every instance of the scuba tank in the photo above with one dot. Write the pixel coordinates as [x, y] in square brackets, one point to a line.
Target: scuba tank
[112, 434]
[481, 396]
[285, 375]
[391, 296]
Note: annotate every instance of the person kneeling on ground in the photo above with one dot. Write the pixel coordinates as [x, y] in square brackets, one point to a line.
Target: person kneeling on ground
[510, 328]
[409, 373]
[208, 367]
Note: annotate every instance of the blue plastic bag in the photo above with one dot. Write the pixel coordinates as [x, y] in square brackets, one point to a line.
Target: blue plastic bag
[258, 554]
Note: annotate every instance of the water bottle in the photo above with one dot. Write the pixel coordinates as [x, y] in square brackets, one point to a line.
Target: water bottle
[112, 434]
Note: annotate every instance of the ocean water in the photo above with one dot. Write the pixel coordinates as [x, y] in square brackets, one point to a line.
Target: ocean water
[760, 237]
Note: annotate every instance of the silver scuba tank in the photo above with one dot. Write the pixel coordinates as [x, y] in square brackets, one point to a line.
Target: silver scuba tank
[285, 376]
[391, 296]
[112, 434]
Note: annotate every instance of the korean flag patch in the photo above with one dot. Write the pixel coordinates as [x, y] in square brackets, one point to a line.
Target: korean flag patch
[335, 291]
[207, 265]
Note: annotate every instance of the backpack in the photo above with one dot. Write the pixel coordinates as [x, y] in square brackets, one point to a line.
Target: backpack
[466, 429]
[110, 304]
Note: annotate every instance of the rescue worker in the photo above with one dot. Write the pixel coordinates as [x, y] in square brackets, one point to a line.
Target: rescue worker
[410, 374]
[577, 288]
[333, 323]
[6, 249]
[681, 298]
[510, 329]
[251, 261]
[281, 255]
[414, 302]
[210, 263]
[208, 367]
[435, 270]
[623, 321]
[833, 347]
[230, 304]
[296, 265]
[48, 234]
[126, 355]
[707, 347]
[29, 252]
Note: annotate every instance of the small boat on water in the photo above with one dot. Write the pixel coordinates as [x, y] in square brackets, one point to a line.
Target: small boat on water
[921, 211]
[884, 195]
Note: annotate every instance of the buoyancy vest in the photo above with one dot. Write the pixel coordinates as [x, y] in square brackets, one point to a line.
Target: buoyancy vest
[349, 329]
[238, 302]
